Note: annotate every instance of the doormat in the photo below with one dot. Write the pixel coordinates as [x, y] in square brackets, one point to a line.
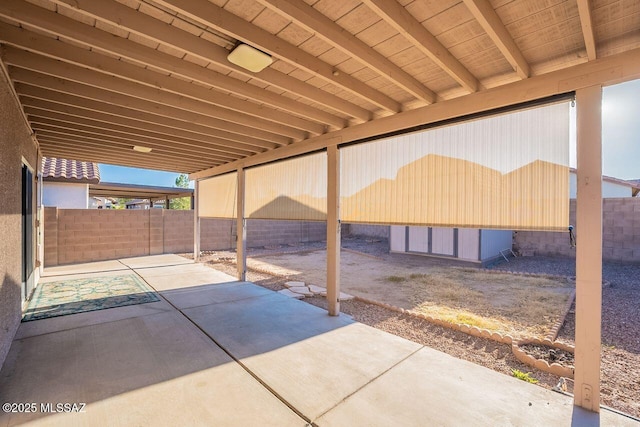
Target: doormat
[74, 296]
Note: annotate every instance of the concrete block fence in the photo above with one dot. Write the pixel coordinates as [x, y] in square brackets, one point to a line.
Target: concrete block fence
[620, 238]
[85, 235]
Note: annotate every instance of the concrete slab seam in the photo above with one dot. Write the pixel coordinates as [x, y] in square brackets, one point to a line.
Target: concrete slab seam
[367, 383]
[246, 368]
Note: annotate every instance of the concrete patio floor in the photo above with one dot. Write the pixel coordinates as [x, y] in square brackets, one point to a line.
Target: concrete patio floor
[218, 352]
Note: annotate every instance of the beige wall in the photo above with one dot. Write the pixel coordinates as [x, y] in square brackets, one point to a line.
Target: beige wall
[75, 235]
[621, 234]
[15, 143]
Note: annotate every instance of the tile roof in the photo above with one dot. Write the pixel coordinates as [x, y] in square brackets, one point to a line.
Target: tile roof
[54, 169]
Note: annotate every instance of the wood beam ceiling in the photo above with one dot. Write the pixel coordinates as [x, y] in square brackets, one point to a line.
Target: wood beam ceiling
[53, 88]
[193, 98]
[586, 21]
[315, 22]
[101, 76]
[400, 19]
[116, 114]
[62, 26]
[48, 110]
[483, 12]
[208, 14]
[611, 70]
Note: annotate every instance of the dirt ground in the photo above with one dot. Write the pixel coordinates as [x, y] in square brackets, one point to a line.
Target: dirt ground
[504, 302]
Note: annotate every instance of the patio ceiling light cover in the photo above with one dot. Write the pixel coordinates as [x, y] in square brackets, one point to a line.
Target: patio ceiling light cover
[249, 58]
[141, 149]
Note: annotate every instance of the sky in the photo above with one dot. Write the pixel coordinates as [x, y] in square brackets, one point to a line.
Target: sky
[620, 142]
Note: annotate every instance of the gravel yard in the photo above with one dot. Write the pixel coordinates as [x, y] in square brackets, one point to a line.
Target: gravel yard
[620, 334]
[620, 370]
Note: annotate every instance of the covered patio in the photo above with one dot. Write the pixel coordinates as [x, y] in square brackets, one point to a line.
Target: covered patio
[215, 351]
[163, 84]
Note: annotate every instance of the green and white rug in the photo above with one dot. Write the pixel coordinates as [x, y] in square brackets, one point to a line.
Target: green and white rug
[55, 299]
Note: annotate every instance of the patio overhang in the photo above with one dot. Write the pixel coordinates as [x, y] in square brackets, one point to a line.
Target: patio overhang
[95, 79]
[131, 191]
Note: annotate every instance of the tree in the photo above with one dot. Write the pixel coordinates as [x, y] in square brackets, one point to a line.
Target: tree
[183, 203]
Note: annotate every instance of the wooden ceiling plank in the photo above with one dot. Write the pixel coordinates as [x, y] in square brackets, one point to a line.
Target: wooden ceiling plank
[399, 18]
[52, 131]
[110, 114]
[323, 27]
[36, 114]
[123, 150]
[47, 84]
[149, 142]
[67, 146]
[53, 149]
[54, 23]
[167, 91]
[586, 21]
[215, 17]
[483, 12]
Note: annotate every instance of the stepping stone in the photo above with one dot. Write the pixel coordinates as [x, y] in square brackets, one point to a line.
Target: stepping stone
[302, 290]
[317, 290]
[291, 284]
[346, 297]
[288, 293]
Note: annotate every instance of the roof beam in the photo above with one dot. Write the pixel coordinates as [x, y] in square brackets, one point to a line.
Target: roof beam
[78, 150]
[111, 142]
[605, 71]
[37, 114]
[74, 55]
[489, 20]
[132, 118]
[399, 18]
[138, 139]
[133, 81]
[47, 86]
[123, 90]
[216, 17]
[586, 21]
[315, 22]
[59, 25]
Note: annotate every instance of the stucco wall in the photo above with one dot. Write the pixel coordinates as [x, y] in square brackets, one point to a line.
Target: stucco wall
[620, 238]
[65, 195]
[15, 143]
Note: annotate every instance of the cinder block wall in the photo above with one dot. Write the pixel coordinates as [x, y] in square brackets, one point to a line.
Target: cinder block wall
[85, 235]
[620, 239]
[267, 232]
[79, 235]
[50, 216]
[369, 230]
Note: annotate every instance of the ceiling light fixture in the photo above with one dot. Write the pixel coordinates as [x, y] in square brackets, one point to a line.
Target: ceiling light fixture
[141, 149]
[249, 58]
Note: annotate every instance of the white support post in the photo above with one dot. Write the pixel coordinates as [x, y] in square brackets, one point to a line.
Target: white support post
[196, 222]
[333, 230]
[588, 248]
[241, 230]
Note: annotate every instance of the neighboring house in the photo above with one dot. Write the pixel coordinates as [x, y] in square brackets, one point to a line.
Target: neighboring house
[66, 182]
[611, 187]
